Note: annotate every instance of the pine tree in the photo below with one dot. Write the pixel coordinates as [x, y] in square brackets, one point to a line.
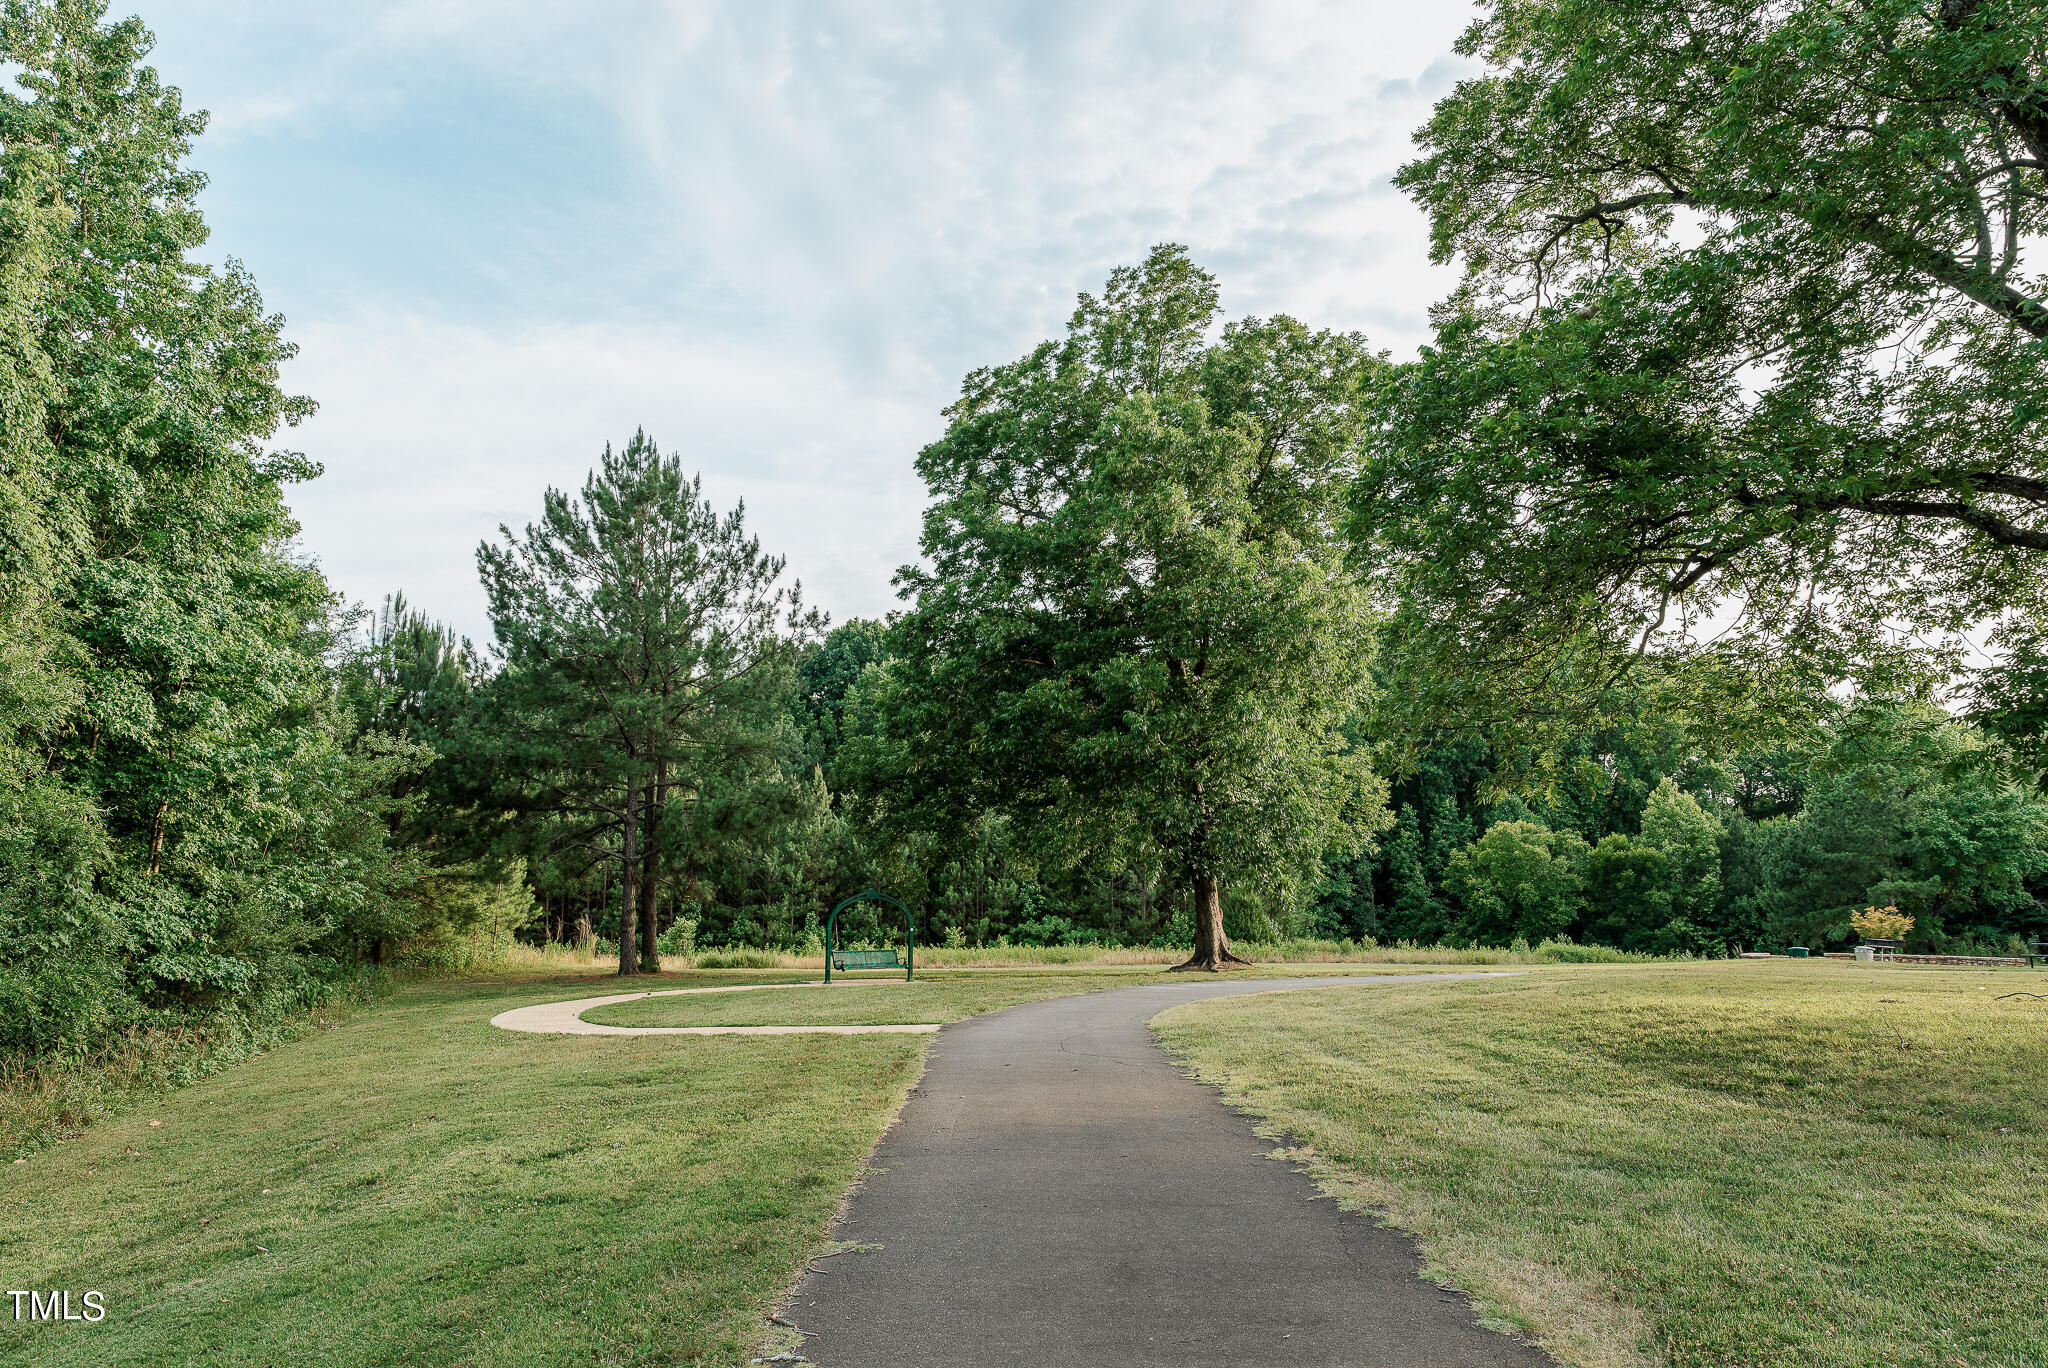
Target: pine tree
[645, 666]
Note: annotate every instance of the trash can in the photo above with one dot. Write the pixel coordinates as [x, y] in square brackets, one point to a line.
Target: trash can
[1796, 951]
[1865, 954]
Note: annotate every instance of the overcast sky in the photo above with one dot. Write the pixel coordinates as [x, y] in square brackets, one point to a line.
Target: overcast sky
[776, 233]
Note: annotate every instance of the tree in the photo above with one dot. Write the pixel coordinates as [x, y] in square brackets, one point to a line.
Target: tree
[1137, 632]
[1415, 914]
[1754, 313]
[1906, 807]
[1628, 893]
[408, 671]
[56, 939]
[1687, 836]
[2010, 699]
[644, 666]
[826, 676]
[180, 831]
[1520, 880]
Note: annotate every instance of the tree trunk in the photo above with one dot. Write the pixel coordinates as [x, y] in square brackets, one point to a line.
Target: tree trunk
[629, 866]
[1212, 951]
[650, 875]
[156, 836]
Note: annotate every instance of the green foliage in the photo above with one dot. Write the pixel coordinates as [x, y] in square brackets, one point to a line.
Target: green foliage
[1687, 836]
[2010, 699]
[1754, 312]
[1137, 636]
[1628, 893]
[644, 704]
[1521, 880]
[188, 822]
[1415, 914]
[826, 677]
[739, 959]
[1906, 807]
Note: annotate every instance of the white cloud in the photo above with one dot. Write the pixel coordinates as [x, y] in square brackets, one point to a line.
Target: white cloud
[436, 434]
[826, 213]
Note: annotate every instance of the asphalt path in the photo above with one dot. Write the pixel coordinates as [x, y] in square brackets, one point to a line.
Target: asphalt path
[1057, 1191]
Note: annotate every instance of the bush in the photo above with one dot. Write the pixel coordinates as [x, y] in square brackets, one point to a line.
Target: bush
[1054, 930]
[679, 939]
[1880, 923]
[740, 957]
[40, 1100]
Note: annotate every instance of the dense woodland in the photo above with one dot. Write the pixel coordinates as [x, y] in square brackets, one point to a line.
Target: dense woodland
[1685, 595]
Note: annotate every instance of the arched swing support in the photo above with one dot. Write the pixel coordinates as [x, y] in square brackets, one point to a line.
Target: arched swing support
[871, 895]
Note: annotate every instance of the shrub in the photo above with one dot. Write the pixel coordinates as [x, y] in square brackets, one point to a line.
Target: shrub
[1881, 923]
[1566, 952]
[1054, 930]
[740, 957]
[679, 939]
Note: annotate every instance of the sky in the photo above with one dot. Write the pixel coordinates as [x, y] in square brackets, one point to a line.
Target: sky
[776, 234]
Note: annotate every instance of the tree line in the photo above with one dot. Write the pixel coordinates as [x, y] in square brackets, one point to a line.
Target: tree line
[1683, 594]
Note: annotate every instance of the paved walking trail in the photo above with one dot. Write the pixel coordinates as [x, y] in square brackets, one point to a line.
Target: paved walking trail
[1057, 1193]
[566, 1018]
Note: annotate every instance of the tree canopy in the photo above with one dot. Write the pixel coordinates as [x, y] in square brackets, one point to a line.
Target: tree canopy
[1137, 631]
[1752, 341]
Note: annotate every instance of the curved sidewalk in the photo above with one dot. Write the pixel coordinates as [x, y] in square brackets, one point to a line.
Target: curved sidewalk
[1057, 1192]
[566, 1018]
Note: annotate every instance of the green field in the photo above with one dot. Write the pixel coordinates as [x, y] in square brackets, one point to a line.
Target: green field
[1713, 1164]
[859, 1001]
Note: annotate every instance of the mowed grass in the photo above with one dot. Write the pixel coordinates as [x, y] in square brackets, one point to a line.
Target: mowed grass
[934, 996]
[1715, 1164]
[856, 1001]
[416, 1187]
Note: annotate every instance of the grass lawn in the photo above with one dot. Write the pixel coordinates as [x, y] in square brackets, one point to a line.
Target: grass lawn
[417, 1187]
[885, 1001]
[1719, 1164]
[939, 995]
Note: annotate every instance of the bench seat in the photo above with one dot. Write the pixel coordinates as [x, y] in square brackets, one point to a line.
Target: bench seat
[866, 959]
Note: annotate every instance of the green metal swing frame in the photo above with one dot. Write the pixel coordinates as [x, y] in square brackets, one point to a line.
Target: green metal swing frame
[832, 951]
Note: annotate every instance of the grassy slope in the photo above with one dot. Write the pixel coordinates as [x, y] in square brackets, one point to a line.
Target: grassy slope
[1743, 1164]
[444, 1192]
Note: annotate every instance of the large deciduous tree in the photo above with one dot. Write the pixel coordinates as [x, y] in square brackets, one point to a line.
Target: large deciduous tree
[1755, 327]
[645, 664]
[1136, 632]
[177, 800]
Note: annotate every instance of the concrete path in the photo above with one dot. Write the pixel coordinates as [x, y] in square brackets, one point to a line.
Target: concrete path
[566, 1018]
[1056, 1192]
